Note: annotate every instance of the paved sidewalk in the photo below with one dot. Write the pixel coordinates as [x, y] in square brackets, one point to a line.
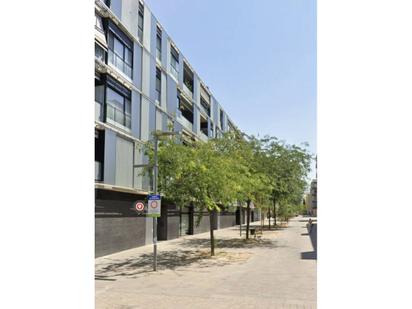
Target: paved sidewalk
[278, 271]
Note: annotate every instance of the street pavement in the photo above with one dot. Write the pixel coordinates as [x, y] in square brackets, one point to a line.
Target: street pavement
[276, 271]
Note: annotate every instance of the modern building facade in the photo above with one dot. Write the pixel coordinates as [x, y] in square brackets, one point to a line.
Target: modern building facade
[143, 83]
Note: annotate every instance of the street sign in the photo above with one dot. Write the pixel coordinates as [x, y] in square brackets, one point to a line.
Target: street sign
[139, 206]
[154, 205]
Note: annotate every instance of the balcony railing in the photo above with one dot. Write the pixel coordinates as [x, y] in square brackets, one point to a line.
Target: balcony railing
[187, 91]
[118, 116]
[203, 136]
[186, 123]
[120, 64]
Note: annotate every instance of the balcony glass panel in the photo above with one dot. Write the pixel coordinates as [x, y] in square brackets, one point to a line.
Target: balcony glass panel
[118, 63]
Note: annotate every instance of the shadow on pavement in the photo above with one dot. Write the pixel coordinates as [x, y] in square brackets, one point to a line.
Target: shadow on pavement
[197, 253]
[229, 243]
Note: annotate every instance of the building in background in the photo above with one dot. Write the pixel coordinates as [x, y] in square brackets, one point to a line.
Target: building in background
[311, 198]
[143, 83]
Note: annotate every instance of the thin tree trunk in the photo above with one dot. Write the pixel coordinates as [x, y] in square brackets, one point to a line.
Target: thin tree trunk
[274, 211]
[269, 217]
[248, 219]
[212, 238]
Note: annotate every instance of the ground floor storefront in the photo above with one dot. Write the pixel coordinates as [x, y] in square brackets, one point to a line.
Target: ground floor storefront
[118, 227]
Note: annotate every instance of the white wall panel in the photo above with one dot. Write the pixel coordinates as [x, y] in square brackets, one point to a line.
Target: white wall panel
[124, 162]
[144, 129]
[146, 73]
[147, 28]
[130, 15]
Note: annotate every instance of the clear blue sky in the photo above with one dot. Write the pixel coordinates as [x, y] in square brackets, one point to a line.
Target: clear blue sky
[257, 57]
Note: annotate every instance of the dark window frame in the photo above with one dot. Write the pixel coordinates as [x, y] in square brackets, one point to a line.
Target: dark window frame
[158, 80]
[112, 36]
[127, 102]
[140, 28]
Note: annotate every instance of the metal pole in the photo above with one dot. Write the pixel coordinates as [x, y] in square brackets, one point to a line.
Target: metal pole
[155, 172]
[240, 219]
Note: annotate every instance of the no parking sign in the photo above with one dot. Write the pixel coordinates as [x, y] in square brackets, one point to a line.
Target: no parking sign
[154, 205]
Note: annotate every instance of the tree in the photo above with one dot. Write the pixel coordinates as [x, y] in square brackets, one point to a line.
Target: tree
[198, 174]
[286, 167]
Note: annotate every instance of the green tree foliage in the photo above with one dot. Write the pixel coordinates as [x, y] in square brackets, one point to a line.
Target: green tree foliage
[233, 168]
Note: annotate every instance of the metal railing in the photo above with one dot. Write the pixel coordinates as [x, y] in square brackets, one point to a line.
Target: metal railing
[120, 64]
[187, 91]
[118, 116]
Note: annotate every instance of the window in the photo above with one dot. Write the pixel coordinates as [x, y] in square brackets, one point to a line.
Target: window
[186, 109]
[140, 22]
[174, 62]
[205, 105]
[158, 84]
[221, 119]
[99, 23]
[120, 54]
[188, 80]
[118, 105]
[204, 126]
[98, 98]
[99, 53]
[98, 155]
[205, 100]
[159, 44]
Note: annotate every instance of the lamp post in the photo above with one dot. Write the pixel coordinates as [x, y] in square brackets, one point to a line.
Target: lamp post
[156, 136]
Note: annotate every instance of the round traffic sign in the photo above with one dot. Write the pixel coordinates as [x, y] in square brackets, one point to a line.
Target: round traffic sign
[139, 206]
[153, 204]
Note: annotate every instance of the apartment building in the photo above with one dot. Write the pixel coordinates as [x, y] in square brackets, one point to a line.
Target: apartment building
[143, 83]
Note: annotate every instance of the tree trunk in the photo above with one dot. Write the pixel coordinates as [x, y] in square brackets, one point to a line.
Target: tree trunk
[212, 238]
[269, 216]
[274, 211]
[247, 219]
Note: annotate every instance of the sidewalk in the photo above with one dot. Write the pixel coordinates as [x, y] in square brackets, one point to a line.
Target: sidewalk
[267, 273]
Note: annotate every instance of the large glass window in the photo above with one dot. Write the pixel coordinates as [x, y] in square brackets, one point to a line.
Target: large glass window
[140, 22]
[174, 62]
[159, 44]
[158, 84]
[120, 55]
[205, 105]
[118, 107]
[221, 119]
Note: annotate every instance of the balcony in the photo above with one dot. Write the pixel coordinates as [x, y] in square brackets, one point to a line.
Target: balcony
[186, 123]
[119, 64]
[187, 91]
[203, 136]
[118, 118]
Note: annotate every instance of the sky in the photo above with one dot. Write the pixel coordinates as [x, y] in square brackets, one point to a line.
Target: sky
[257, 57]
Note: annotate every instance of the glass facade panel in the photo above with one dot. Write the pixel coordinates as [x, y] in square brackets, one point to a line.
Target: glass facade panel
[115, 99]
[120, 56]
[118, 48]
